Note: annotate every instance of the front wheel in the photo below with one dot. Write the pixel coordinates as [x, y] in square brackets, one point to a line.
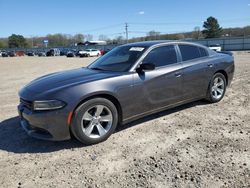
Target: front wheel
[217, 88]
[94, 121]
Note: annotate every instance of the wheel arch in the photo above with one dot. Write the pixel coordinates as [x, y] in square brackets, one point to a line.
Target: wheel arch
[109, 97]
[224, 73]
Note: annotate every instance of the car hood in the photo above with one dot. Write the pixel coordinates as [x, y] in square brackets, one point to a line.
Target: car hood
[66, 78]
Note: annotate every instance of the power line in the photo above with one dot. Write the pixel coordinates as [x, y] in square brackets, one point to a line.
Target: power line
[186, 23]
[102, 28]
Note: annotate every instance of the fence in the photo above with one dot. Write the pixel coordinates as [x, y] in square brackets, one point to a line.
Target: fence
[227, 44]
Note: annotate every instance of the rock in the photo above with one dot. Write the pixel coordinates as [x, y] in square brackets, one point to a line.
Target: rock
[93, 157]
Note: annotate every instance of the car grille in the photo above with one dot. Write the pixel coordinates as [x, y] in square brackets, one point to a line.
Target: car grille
[26, 103]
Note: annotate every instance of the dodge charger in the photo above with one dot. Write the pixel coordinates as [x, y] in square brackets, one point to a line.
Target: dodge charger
[127, 83]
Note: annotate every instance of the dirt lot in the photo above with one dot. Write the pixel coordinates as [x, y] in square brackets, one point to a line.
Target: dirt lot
[195, 145]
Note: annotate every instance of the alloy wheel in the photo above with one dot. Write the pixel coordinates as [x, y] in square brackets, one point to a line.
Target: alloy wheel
[218, 88]
[96, 121]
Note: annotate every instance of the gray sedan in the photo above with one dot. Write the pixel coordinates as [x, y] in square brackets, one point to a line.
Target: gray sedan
[127, 83]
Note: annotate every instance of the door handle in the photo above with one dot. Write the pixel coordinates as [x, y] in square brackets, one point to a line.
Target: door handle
[177, 74]
[210, 65]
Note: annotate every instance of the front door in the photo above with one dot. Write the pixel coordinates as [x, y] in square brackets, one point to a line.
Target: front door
[161, 87]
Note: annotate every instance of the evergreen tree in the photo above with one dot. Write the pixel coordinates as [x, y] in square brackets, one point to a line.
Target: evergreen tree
[212, 28]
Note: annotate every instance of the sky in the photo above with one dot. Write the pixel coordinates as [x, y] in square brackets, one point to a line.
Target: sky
[41, 17]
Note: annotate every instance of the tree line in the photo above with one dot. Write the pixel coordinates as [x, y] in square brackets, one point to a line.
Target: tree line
[55, 40]
[211, 29]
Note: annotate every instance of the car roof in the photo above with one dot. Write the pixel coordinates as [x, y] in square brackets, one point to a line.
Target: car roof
[157, 42]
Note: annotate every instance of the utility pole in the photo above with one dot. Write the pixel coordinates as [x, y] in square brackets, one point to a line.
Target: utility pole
[32, 40]
[126, 31]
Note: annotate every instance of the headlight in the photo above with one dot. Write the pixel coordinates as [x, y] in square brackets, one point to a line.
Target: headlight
[48, 105]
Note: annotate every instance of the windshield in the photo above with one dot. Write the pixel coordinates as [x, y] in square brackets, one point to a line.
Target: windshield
[120, 59]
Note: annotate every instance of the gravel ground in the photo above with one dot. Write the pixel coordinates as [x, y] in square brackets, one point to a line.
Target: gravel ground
[195, 145]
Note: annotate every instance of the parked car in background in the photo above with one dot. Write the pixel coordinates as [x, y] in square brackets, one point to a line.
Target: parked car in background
[12, 53]
[5, 54]
[70, 53]
[20, 53]
[89, 53]
[63, 52]
[215, 47]
[102, 51]
[106, 51]
[53, 52]
[129, 82]
[41, 54]
[30, 53]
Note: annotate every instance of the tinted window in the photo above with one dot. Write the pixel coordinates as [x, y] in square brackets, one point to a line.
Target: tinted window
[119, 59]
[203, 52]
[162, 56]
[189, 52]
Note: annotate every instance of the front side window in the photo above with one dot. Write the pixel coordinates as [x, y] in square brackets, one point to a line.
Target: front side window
[162, 56]
[189, 52]
[120, 59]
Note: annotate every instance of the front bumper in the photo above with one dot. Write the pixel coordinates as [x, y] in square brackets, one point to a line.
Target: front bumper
[45, 125]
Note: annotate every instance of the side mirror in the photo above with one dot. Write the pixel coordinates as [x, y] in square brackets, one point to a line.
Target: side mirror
[146, 66]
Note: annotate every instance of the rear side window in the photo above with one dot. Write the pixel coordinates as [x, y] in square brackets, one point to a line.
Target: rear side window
[189, 52]
[161, 56]
[203, 52]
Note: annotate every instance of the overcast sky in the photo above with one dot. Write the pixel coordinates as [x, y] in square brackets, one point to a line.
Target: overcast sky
[40, 17]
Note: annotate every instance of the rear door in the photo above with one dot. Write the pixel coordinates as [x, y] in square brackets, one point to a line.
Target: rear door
[196, 70]
[160, 87]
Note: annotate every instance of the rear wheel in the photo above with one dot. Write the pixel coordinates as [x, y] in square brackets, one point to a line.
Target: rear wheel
[217, 88]
[94, 121]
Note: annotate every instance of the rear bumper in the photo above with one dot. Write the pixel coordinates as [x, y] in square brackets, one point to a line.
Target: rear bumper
[47, 125]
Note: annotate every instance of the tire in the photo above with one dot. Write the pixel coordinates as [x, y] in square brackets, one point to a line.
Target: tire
[217, 88]
[94, 121]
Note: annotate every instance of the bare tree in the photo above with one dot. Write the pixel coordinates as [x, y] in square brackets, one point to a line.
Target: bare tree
[78, 37]
[153, 35]
[197, 32]
[103, 37]
[118, 40]
[88, 37]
